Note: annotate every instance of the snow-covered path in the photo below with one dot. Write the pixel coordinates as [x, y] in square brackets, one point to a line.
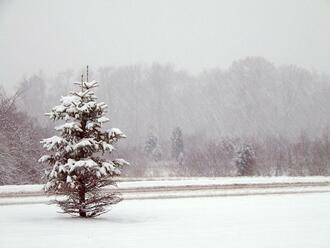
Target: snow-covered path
[182, 188]
[299, 220]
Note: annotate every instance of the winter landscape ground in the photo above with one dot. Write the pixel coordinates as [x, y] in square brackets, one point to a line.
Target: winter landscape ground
[295, 220]
[256, 212]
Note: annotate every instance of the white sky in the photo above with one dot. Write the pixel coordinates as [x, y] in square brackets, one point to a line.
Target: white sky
[55, 35]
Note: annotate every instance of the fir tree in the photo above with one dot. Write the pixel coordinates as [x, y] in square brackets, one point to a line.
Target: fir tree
[157, 153]
[152, 148]
[177, 144]
[78, 169]
[244, 160]
[151, 144]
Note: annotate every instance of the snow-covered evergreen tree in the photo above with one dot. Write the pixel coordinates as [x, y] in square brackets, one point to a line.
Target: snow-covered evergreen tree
[177, 144]
[151, 144]
[157, 153]
[244, 159]
[78, 169]
[152, 147]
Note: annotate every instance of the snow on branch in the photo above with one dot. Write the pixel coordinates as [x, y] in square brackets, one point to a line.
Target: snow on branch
[53, 142]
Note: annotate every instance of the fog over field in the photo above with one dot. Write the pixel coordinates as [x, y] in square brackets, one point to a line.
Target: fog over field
[197, 86]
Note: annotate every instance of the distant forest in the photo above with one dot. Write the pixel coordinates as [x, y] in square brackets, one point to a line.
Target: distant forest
[253, 118]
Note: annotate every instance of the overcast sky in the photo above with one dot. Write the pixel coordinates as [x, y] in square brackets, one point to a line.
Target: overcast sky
[55, 35]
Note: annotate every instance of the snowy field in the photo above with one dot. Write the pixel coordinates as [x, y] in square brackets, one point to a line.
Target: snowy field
[293, 221]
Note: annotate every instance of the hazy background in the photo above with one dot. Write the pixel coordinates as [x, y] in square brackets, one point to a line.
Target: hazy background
[201, 88]
[55, 35]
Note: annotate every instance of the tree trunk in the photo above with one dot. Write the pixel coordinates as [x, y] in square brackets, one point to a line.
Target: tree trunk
[82, 212]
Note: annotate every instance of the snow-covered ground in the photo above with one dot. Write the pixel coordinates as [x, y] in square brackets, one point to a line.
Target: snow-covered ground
[292, 221]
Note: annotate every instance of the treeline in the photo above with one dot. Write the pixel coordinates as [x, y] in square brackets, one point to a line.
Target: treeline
[251, 119]
[268, 156]
[251, 98]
